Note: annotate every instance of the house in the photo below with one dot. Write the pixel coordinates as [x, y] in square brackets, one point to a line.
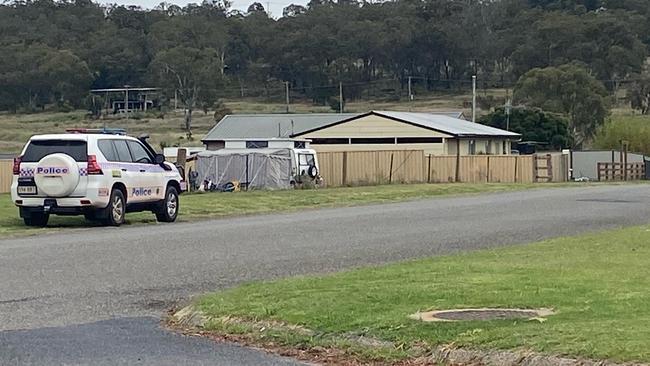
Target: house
[438, 134]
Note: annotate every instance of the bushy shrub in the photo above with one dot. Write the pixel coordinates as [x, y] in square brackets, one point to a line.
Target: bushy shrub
[634, 129]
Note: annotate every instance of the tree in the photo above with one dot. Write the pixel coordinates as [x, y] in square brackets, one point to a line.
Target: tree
[255, 8]
[533, 124]
[292, 10]
[570, 90]
[639, 93]
[33, 76]
[194, 74]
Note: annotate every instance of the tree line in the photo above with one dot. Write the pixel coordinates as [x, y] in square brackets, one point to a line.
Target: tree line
[53, 52]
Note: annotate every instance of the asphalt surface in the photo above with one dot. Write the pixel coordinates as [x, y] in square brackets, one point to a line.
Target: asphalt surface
[95, 296]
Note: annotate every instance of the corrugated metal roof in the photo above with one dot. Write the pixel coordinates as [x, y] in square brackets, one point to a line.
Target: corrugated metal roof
[244, 126]
[444, 123]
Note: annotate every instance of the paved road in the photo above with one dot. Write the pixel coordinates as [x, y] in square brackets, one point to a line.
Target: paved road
[95, 296]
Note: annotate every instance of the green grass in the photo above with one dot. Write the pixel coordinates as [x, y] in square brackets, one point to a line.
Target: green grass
[211, 205]
[598, 283]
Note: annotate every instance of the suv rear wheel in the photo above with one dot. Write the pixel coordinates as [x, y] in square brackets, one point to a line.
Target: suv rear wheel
[167, 210]
[37, 219]
[116, 209]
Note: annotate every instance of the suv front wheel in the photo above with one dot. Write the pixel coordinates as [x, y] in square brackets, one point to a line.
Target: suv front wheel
[116, 209]
[167, 210]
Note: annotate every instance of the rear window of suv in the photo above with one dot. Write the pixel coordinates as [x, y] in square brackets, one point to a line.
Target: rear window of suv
[38, 149]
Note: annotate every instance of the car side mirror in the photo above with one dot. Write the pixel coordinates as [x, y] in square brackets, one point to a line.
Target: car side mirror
[159, 159]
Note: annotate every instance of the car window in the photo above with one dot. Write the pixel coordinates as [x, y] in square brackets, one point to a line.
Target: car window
[122, 150]
[139, 153]
[306, 159]
[38, 149]
[108, 150]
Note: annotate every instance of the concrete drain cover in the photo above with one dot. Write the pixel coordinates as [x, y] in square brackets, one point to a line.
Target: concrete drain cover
[481, 314]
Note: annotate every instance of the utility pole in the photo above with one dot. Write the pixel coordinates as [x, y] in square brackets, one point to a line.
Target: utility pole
[286, 85]
[175, 99]
[126, 101]
[508, 108]
[410, 93]
[107, 105]
[340, 97]
[473, 98]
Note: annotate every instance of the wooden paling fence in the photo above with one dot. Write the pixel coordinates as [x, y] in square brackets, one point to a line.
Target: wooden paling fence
[413, 166]
[6, 175]
[371, 167]
[609, 171]
[377, 167]
[480, 169]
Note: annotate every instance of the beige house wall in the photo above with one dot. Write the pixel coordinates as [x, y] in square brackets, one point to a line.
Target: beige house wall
[434, 149]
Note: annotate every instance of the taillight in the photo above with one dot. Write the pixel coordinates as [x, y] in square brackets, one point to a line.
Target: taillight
[93, 166]
[17, 165]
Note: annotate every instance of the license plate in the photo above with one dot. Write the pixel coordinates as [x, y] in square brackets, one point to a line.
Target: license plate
[27, 190]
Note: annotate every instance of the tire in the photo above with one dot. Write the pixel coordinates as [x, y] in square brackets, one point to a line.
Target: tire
[167, 211]
[37, 219]
[57, 175]
[312, 171]
[116, 209]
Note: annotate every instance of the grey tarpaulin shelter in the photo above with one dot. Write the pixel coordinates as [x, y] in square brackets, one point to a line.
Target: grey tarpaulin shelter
[255, 168]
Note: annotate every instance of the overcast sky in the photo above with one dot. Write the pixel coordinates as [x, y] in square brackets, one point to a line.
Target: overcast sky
[275, 6]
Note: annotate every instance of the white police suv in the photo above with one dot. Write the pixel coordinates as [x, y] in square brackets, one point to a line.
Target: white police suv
[101, 174]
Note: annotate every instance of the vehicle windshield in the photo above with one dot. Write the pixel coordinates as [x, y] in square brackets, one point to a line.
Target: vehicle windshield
[38, 149]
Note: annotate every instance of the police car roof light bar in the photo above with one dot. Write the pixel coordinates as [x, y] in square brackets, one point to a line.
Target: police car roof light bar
[108, 131]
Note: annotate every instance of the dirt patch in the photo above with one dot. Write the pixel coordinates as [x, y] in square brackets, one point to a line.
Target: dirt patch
[481, 314]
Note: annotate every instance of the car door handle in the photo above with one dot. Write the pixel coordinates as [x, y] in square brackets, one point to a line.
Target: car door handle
[142, 170]
[123, 169]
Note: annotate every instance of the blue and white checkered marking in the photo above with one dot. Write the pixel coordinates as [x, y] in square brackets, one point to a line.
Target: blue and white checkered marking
[29, 172]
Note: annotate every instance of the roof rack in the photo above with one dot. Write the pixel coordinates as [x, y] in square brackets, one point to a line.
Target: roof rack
[107, 131]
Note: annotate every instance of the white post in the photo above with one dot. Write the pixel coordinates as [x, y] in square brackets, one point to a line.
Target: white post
[410, 93]
[473, 98]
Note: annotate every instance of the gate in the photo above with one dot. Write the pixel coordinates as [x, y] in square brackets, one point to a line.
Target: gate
[620, 171]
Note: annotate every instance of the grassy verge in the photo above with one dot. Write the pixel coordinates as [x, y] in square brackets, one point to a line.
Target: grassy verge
[213, 205]
[598, 284]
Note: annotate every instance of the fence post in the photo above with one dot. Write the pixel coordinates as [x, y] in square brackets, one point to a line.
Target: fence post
[599, 167]
[625, 158]
[457, 159]
[344, 169]
[488, 169]
[247, 181]
[429, 170]
[516, 166]
[390, 174]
